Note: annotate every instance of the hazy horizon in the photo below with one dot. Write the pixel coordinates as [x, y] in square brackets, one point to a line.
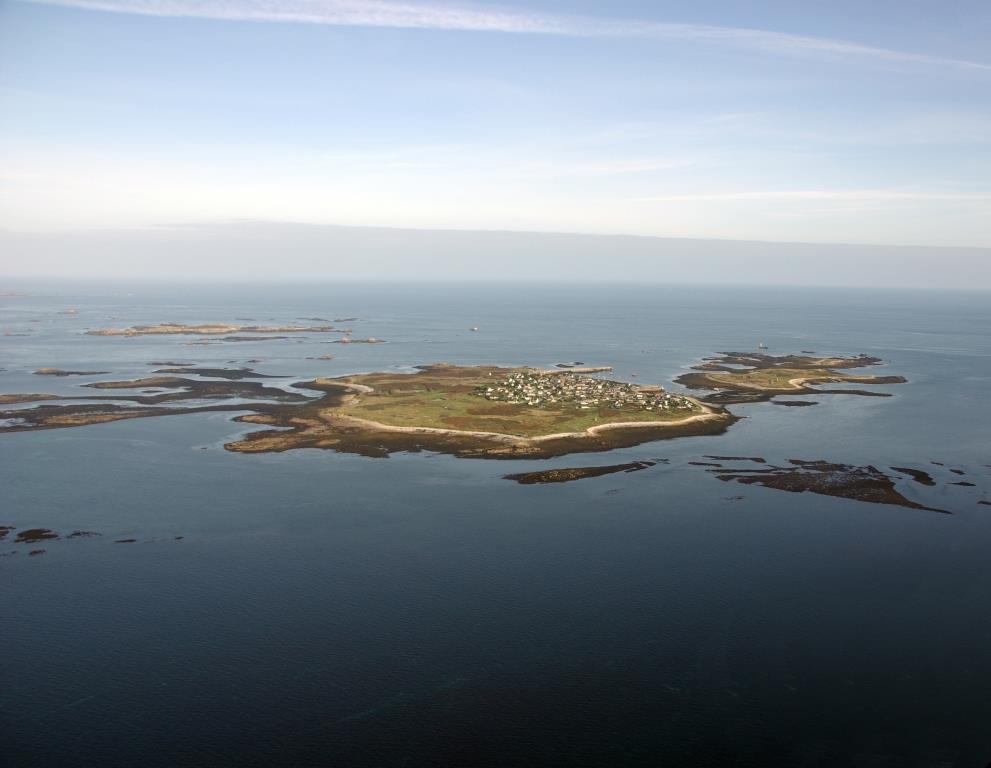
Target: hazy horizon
[286, 253]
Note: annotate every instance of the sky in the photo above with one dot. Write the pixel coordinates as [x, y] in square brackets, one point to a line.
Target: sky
[779, 121]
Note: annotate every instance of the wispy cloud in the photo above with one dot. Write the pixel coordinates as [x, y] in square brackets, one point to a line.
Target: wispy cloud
[817, 194]
[432, 15]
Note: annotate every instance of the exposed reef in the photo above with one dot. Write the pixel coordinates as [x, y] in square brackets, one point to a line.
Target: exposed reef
[825, 478]
[95, 409]
[33, 536]
[233, 374]
[755, 459]
[920, 476]
[11, 399]
[248, 338]
[566, 475]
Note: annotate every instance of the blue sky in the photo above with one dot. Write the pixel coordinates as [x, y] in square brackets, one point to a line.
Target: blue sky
[780, 121]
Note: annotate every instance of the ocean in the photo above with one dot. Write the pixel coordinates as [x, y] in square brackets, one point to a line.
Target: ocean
[313, 608]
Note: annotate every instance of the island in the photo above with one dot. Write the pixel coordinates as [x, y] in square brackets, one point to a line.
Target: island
[741, 377]
[480, 411]
[208, 329]
[61, 372]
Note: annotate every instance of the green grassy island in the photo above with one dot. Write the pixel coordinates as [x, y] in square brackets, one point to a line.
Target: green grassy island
[485, 411]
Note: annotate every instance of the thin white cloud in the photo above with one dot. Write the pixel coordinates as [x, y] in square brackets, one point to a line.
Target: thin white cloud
[432, 15]
[816, 194]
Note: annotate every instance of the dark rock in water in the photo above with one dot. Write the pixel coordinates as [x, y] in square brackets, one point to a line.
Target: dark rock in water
[964, 483]
[575, 473]
[4, 530]
[985, 503]
[795, 403]
[232, 374]
[255, 338]
[31, 535]
[756, 459]
[916, 474]
[845, 481]
[958, 472]
[37, 552]
[349, 340]
[124, 541]
[83, 534]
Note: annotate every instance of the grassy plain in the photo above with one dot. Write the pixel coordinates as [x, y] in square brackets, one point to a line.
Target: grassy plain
[443, 397]
[782, 378]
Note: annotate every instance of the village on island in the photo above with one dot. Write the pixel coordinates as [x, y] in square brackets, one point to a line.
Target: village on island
[553, 389]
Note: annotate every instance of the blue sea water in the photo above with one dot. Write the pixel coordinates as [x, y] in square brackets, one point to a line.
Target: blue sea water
[327, 609]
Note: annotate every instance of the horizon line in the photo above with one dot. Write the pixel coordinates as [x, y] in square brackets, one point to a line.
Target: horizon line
[6, 280]
[190, 226]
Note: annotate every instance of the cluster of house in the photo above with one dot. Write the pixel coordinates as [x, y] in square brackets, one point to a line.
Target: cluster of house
[544, 389]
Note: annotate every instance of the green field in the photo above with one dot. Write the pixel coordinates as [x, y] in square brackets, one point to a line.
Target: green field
[443, 397]
[774, 378]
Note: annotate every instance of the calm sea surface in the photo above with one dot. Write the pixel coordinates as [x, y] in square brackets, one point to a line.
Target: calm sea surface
[333, 610]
